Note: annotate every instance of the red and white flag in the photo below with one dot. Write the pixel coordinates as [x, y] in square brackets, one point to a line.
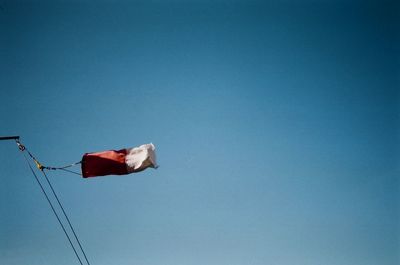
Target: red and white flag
[119, 162]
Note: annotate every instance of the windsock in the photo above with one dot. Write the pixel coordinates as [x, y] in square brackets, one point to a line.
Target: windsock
[119, 162]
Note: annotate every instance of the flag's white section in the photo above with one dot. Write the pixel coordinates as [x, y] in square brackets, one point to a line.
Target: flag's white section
[140, 158]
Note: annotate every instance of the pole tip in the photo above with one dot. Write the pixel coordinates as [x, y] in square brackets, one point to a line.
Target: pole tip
[16, 137]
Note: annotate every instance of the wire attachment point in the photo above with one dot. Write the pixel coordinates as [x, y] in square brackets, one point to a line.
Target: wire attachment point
[38, 165]
[21, 147]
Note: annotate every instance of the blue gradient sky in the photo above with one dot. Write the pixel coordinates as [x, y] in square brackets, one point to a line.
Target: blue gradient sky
[276, 126]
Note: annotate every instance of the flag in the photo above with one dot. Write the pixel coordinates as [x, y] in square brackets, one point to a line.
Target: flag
[119, 162]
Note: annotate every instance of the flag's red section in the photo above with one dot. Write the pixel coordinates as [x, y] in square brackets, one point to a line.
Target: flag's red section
[104, 163]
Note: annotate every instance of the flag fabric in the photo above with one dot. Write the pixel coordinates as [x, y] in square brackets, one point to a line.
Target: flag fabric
[119, 162]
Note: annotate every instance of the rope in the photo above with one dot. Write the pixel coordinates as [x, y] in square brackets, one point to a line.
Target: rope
[66, 216]
[70, 171]
[64, 167]
[52, 207]
[41, 168]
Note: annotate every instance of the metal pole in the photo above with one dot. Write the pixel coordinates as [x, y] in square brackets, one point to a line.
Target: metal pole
[9, 138]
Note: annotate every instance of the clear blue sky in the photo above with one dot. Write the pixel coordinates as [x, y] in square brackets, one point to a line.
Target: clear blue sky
[276, 126]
